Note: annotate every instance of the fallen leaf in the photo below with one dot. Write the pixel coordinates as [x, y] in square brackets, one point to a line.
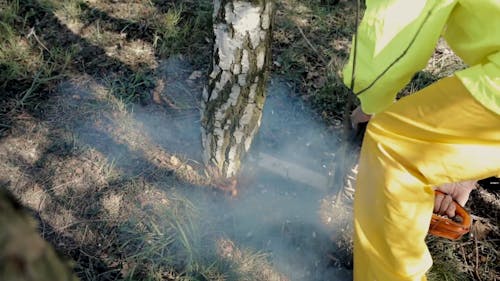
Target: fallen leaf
[160, 86]
[480, 230]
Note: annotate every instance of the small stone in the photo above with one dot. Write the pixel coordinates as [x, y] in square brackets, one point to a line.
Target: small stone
[195, 75]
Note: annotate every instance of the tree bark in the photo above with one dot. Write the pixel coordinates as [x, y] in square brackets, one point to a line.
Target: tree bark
[232, 104]
[24, 255]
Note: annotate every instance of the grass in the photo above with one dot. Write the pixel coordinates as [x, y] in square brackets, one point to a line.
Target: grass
[28, 67]
[324, 31]
[32, 64]
[157, 240]
[175, 243]
[446, 264]
[158, 243]
[184, 28]
[130, 89]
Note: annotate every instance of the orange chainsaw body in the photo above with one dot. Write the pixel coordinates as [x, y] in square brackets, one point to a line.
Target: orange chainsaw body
[448, 228]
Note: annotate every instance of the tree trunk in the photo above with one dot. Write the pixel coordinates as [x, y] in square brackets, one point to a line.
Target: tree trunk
[232, 103]
[24, 255]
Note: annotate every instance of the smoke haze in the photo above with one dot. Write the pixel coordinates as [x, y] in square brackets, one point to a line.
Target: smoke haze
[283, 183]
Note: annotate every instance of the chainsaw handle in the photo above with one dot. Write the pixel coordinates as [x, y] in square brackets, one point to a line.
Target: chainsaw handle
[446, 227]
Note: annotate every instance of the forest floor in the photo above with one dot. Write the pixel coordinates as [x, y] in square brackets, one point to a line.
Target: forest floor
[100, 138]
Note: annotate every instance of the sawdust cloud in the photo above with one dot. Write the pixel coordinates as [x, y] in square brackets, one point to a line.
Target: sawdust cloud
[284, 177]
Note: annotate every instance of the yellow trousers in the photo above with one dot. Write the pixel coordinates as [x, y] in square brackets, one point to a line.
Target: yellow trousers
[438, 135]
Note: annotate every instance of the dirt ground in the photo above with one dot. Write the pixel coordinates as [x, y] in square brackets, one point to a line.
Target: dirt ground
[106, 153]
[91, 166]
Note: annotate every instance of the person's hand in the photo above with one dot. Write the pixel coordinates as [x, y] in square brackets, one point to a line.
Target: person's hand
[358, 116]
[443, 204]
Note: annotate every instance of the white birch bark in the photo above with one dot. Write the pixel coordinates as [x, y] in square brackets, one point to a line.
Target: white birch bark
[232, 103]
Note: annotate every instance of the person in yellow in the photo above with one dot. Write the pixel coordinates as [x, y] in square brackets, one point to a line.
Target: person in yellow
[446, 135]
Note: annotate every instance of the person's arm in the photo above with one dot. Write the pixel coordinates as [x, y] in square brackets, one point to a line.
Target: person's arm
[395, 40]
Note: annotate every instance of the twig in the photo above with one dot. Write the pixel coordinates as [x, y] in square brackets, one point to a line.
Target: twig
[32, 33]
[88, 255]
[476, 267]
[464, 256]
[323, 60]
[84, 236]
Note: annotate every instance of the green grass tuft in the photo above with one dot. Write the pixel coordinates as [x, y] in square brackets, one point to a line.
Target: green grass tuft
[184, 28]
[130, 88]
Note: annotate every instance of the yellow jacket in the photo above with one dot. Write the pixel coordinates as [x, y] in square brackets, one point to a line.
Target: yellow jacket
[470, 27]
